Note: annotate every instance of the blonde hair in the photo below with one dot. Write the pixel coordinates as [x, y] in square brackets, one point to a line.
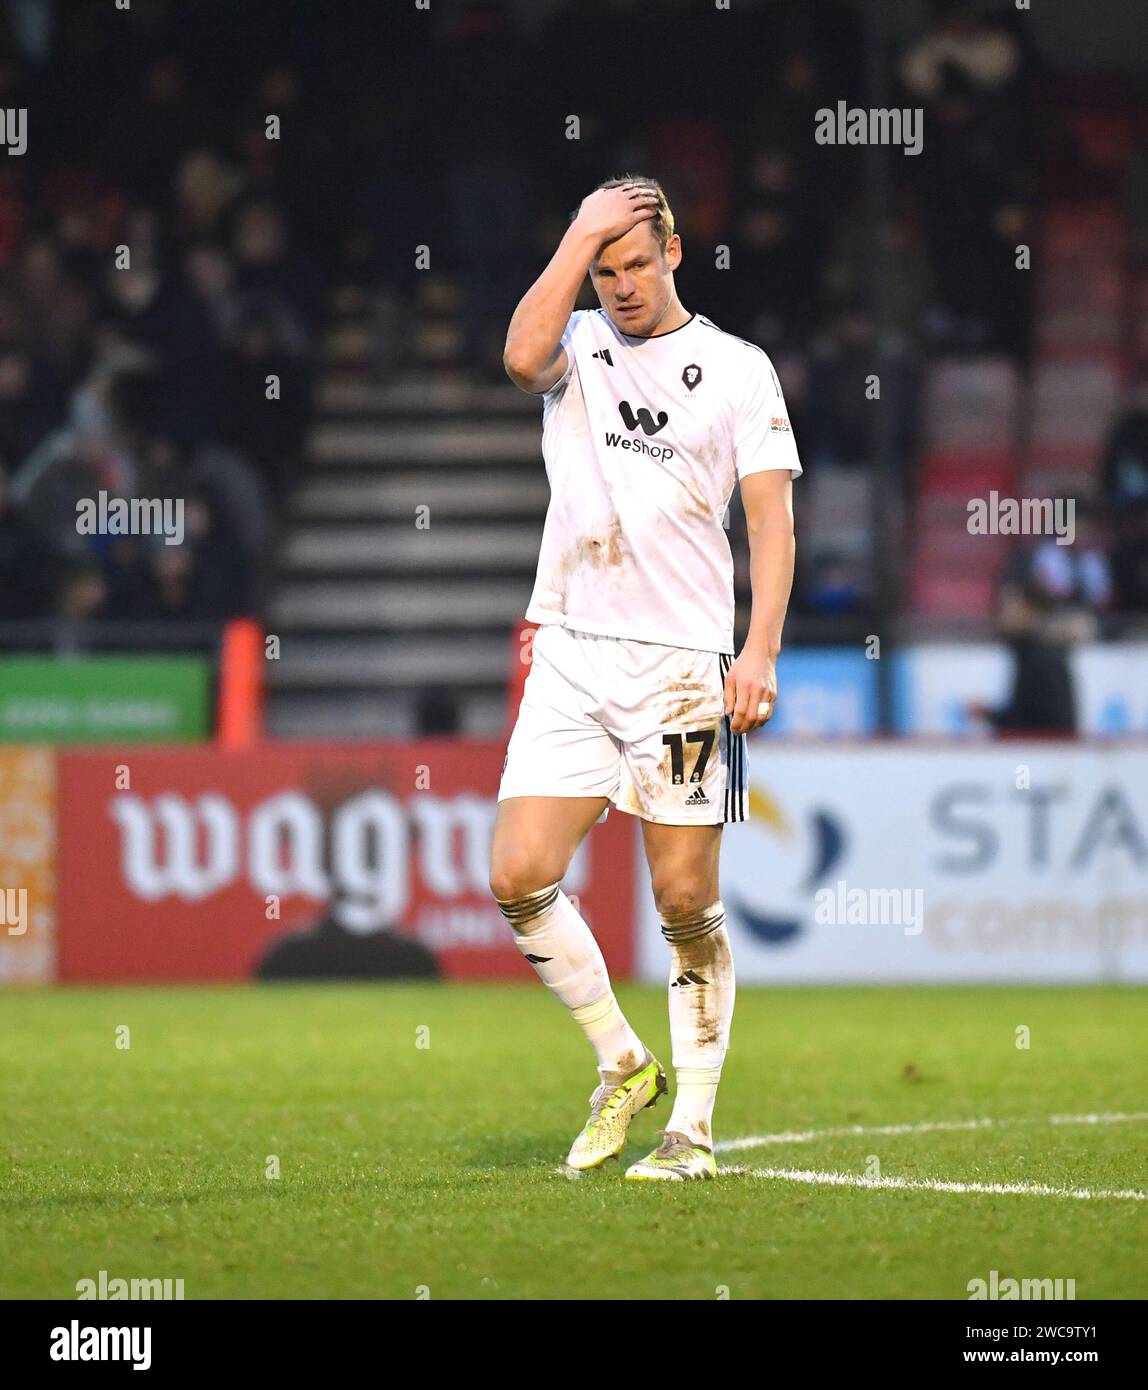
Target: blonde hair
[662, 222]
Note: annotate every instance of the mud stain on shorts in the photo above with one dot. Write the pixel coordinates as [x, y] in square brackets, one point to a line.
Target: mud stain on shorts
[686, 699]
[649, 785]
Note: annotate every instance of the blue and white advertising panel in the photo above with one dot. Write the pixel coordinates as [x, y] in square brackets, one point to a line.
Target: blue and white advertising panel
[824, 691]
[1112, 687]
[933, 686]
[935, 683]
[1012, 862]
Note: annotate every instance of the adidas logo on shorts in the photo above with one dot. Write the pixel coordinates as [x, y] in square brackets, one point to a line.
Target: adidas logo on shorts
[697, 798]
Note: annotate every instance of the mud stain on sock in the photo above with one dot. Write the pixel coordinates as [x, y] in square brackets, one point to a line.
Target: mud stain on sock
[701, 957]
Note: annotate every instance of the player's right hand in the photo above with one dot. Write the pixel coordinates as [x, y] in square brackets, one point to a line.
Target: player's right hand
[609, 213]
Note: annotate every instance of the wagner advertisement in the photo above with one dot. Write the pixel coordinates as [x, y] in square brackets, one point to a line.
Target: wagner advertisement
[315, 860]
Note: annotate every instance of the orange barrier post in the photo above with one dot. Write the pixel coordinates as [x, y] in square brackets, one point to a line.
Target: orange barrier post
[240, 707]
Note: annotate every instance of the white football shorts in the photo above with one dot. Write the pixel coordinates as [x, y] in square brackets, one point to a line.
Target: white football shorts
[637, 722]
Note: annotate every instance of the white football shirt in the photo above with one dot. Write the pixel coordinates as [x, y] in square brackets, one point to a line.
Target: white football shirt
[644, 439]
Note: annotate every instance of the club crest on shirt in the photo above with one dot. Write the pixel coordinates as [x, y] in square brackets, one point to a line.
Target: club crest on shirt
[691, 375]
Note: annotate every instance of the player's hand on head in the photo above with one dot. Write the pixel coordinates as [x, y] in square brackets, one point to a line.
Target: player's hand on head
[750, 692]
[609, 213]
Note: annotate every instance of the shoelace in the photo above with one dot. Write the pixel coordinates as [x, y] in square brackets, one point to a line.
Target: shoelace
[602, 1093]
[672, 1145]
[600, 1098]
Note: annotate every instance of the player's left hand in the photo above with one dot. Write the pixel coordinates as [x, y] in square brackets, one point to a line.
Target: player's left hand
[750, 692]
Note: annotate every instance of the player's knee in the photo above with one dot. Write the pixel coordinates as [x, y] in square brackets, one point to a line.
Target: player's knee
[514, 875]
[682, 899]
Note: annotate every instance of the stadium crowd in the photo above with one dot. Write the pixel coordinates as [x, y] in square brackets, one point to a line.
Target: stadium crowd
[155, 271]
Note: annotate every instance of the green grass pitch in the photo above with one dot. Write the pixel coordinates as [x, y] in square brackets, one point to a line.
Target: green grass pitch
[438, 1167]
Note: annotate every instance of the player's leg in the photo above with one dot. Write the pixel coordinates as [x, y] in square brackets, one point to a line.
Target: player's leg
[535, 838]
[683, 773]
[562, 769]
[683, 862]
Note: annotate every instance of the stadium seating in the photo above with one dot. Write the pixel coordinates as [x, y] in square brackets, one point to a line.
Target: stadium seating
[381, 607]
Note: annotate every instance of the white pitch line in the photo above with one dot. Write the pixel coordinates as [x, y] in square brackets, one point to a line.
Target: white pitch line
[807, 1136]
[1025, 1189]
[1115, 1117]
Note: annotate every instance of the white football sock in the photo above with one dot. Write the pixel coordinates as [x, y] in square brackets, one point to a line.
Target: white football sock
[701, 1010]
[552, 936]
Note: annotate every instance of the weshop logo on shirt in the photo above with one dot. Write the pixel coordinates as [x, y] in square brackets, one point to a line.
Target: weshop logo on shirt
[650, 424]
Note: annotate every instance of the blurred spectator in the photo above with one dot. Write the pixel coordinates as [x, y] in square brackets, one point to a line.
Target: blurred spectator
[845, 270]
[1125, 464]
[55, 313]
[152, 134]
[269, 272]
[1042, 699]
[27, 564]
[233, 488]
[1079, 575]
[119, 444]
[1124, 473]
[977, 181]
[776, 245]
[1130, 562]
[1047, 604]
[205, 186]
[74, 463]
[486, 186]
[81, 593]
[843, 358]
[204, 578]
[29, 405]
[128, 586]
[266, 340]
